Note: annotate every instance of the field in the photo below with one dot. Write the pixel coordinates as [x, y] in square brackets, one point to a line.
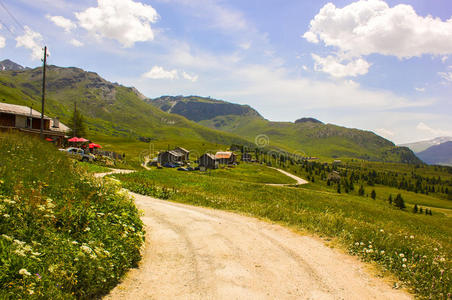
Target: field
[63, 234]
[414, 247]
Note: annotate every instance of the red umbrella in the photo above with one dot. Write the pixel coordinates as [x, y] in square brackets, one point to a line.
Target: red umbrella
[76, 139]
[92, 145]
[49, 139]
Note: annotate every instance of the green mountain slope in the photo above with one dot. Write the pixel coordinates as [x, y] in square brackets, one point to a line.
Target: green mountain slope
[306, 136]
[110, 110]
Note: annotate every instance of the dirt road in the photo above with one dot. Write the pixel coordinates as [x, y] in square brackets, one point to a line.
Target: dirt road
[199, 253]
[298, 179]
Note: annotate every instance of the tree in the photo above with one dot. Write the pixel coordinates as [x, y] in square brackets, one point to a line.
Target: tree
[415, 209]
[373, 194]
[399, 202]
[421, 210]
[361, 190]
[77, 124]
[390, 199]
[339, 188]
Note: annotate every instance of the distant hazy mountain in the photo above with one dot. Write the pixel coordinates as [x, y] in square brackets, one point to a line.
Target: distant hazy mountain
[7, 65]
[438, 155]
[424, 145]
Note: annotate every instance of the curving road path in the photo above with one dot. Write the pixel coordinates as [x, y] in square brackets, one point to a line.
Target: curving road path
[200, 253]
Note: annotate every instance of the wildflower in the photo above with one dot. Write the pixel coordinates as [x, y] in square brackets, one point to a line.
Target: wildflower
[24, 272]
[74, 242]
[411, 236]
[362, 244]
[38, 276]
[52, 268]
[6, 216]
[404, 266]
[356, 244]
[436, 249]
[87, 229]
[20, 252]
[404, 259]
[381, 230]
[370, 246]
[442, 259]
[382, 252]
[86, 249]
[31, 292]
[7, 237]
[402, 255]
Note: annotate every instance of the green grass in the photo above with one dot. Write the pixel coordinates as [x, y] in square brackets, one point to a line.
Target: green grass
[63, 234]
[92, 168]
[414, 247]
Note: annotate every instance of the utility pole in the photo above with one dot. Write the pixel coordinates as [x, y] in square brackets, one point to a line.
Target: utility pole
[75, 119]
[43, 92]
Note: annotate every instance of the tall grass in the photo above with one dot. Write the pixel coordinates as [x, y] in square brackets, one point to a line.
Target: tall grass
[416, 248]
[63, 234]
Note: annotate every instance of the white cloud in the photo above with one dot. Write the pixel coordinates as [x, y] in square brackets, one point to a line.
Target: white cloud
[447, 76]
[444, 59]
[419, 89]
[333, 66]
[126, 21]
[76, 43]
[31, 40]
[433, 131]
[160, 73]
[385, 133]
[192, 78]
[62, 22]
[371, 26]
[305, 68]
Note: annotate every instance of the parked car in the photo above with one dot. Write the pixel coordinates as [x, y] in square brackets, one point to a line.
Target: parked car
[79, 154]
[182, 169]
[169, 165]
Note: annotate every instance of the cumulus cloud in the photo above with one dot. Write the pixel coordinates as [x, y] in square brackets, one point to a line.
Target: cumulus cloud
[76, 43]
[62, 22]
[386, 133]
[371, 26]
[334, 66]
[160, 73]
[192, 78]
[419, 89]
[125, 21]
[433, 131]
[31, 40]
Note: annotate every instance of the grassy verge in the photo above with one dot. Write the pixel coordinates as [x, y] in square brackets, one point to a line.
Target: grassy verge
[93, 168]
[414, 247]
[63, 234]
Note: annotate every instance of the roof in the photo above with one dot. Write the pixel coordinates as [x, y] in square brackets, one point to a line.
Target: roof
[209, 155]
[223, 155]
[20, 110]
[60, 128]
[182, 149]
[175, 153]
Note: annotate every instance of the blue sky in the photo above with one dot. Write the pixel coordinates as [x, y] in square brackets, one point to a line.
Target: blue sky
[384, 66]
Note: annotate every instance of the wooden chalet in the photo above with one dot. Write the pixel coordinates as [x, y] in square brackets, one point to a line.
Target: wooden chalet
[25, 119]
[208, 161]
[226, 158]
[170, 157]
[185, 152]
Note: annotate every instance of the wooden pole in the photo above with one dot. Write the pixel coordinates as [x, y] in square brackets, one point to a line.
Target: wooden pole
[43, 92]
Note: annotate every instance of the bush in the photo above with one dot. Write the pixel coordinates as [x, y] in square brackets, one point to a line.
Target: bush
[63, 234]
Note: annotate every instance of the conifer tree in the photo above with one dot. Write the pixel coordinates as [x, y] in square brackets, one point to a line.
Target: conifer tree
[373, 194]
[415, 209]
[390, 199]
[361, 190]
[399, 202]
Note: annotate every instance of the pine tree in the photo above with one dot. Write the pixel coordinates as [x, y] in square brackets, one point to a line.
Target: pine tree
[373, 194]
[421, 210]
[415, 209]
[328, 183]
[339, 188]
[77, 124]
[399, 202]
[361, 190]
[390, 199]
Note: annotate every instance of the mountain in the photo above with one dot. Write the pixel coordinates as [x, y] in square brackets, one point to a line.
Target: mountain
[424, 145]
[110, 109]
[7, 65]
[307, 136]
[438, 155]
[200, 108]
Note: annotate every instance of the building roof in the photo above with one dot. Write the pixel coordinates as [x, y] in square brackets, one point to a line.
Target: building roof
[182, 149]
[223, 155]
[60, 128]
[209, 155]
[175, 153]
[20, 110]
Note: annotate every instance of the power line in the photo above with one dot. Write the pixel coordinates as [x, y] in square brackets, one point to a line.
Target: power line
[7, 27]
[11, 15]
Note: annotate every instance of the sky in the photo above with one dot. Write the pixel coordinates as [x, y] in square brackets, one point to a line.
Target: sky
[379, 65]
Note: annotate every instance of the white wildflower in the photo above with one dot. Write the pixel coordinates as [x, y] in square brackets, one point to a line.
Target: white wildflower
[356, 244]
[404, 266]
[20, 243]
[381, 230]
[370, 246]
[382, 252]
[24, 272]
[402, 255]
[436, 249]
[404, 259]
[7, 237]
[74, 242]
[6, 216]
[411, 236]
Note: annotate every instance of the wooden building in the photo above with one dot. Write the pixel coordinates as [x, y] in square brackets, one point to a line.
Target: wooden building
[226, 158]
[208, 161]
[27, 120]
[185, 152]
[170, 157]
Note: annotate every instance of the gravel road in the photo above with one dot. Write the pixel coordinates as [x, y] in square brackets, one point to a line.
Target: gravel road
[200, 253]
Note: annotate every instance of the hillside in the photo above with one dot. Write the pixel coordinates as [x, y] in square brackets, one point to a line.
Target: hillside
[110, 109]
[200, 108]
[438, 155]
[307, 136]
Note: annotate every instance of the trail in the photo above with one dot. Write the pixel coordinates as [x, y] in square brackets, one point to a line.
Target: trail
[200, 253]
[299, 180]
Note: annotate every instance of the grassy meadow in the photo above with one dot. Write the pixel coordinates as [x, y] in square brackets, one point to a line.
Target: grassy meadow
[413, 247]
[63, 234]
